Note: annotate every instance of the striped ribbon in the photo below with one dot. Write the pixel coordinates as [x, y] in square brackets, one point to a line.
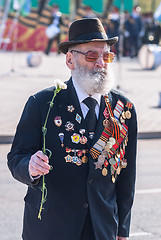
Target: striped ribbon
[118, 109]
[112, 130]
[100, 144]
[116, 129]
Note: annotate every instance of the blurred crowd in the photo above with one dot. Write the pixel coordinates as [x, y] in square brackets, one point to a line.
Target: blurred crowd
[134, 29]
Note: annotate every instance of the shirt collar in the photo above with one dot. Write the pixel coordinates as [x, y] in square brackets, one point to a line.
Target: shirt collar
[82, 94]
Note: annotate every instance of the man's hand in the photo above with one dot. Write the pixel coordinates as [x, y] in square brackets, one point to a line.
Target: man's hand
[121, 238]
[39, 164]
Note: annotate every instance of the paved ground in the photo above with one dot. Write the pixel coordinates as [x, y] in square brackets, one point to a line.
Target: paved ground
[142, 87]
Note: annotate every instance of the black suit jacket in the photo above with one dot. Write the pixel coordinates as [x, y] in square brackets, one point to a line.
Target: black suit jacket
[72, 189]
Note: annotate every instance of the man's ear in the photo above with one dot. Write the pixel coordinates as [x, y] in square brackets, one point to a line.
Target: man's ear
[70, 60]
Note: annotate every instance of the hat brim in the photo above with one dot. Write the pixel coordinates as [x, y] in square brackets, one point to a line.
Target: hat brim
[64, 46]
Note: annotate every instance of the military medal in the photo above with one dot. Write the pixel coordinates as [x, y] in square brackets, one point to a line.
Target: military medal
[84, 158]
[98, 165]
[105, 113]
[58, 121]
[124, 163]
[83, 139]
[112, 161]
[69, 126]
[75, 138]
[75, 158]
[124, 115]
[128, 113]
[105, 163]
[122, 120]
[112, 140]
[106, 123]
[118, 170]
[104, 172]
[101, 159]
[113, 179]
[108, 146]
[70, 108]
[79, 162]
[68, 158]
[78, 118]
[79, 154]
[91, 135]
[61, 136]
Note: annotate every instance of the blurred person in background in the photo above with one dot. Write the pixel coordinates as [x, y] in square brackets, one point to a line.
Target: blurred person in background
[152, 31]
[89, 12]
[54, 24]
[113, 27]
[132, 30]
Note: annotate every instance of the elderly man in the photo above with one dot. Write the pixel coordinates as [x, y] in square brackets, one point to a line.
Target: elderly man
[91, 131]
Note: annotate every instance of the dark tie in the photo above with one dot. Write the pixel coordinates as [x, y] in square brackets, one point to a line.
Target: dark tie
[90, 118]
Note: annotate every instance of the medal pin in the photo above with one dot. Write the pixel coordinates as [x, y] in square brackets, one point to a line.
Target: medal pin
[104, 172]
[68, 158]
[128, 113]
[84, 158]
[61, 136]
[83, 139]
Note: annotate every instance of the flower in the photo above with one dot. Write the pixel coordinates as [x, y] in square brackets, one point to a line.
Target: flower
[59, 84]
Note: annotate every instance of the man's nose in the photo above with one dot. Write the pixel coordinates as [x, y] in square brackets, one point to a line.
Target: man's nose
[100, 62]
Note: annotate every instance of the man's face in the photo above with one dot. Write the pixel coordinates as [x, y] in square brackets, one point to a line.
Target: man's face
[92, 77]
[99, 47]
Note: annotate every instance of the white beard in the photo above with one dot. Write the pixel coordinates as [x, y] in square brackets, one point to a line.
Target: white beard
[94, 81]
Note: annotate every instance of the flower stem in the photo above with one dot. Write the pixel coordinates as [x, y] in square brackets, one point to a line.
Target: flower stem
[45, 150]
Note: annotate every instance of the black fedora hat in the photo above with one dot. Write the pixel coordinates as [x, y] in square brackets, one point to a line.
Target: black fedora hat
[85, 31]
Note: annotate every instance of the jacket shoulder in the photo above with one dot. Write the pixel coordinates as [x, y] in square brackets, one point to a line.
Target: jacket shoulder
[118, 95]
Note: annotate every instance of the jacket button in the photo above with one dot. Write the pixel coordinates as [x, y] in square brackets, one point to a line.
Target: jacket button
[85, 205]
[90, 181]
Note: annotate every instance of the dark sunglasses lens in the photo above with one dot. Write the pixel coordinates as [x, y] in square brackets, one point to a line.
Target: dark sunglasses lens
[108, 57]
[91, 56]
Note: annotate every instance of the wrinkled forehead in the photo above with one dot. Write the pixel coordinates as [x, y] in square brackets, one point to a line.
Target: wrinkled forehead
[95, 46]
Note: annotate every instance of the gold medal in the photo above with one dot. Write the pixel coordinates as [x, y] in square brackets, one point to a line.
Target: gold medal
[122, 120]
[113, 179]
[105, 123]
[123, 115]
[104, 171]
[84, 159]
[118, 170]
[128, 114]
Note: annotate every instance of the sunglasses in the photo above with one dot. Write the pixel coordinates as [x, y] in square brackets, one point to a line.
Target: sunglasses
[92, 56]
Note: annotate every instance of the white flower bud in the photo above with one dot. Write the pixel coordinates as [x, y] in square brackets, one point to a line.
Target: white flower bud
[60, 84]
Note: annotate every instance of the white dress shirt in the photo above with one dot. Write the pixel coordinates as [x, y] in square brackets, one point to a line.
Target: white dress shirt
[82, 95]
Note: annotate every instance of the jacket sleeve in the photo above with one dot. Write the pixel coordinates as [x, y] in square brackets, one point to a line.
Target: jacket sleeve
[125, 185]
[27, 141]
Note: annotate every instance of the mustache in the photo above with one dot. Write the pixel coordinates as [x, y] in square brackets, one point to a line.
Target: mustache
[101, 71]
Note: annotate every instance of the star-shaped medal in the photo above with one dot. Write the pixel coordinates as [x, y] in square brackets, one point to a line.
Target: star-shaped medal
[98, 165]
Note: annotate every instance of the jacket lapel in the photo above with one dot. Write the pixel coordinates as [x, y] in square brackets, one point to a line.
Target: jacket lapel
[76, 115]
